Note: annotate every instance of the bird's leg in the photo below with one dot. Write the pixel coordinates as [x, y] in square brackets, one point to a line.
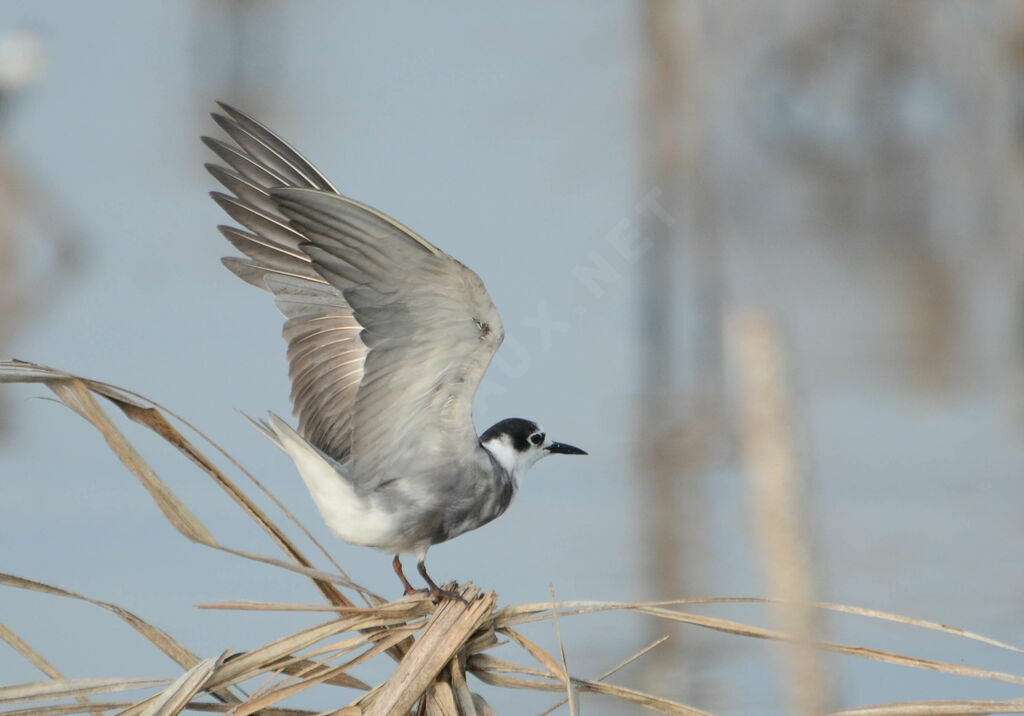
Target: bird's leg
[436, 593]
[397, 564]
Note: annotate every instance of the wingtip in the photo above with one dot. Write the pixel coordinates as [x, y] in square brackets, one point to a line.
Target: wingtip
[239, 266]
[230, 261]
[215, 169]
[233, 234]
[230, 109]
[222, 121]
[213, 143]
[221, 198]
[227, 229]
[223, 174]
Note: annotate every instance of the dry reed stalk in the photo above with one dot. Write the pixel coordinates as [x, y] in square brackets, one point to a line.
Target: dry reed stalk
[775, 495]
[436, 646]
[36, 659]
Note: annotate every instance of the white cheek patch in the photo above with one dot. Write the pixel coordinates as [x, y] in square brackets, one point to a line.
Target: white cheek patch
[501, 449]
[514, 462]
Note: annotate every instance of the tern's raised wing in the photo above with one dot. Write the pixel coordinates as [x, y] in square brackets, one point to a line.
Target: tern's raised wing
[429, 327]
[388, 337]
[325, 353]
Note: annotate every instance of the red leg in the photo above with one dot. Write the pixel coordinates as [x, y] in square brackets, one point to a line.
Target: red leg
[436, 593]
[397, 565]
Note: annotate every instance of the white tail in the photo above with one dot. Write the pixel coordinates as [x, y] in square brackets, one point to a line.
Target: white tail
[353, 518]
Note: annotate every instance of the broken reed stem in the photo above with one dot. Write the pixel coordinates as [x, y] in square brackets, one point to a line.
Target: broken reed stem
[775, 492]
[448, 631]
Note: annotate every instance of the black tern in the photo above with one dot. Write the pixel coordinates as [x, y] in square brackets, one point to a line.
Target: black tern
[388, 338]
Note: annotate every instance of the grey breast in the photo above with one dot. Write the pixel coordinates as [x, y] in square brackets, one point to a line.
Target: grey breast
[452, 499]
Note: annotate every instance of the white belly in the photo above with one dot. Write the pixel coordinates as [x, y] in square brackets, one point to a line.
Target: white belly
[355, 519]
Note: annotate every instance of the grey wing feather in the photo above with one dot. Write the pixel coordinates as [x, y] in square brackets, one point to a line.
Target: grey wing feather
[325, 357]
[244, 165]
[276, 150]
[325, 352]
[248, 191]
[428, 324]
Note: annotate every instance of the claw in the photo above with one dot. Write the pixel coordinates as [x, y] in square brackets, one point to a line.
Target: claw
[437, 594]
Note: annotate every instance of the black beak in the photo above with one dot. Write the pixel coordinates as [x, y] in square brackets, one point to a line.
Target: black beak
[563, 449]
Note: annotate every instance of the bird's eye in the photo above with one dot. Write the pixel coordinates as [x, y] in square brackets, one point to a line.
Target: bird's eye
[537, 438]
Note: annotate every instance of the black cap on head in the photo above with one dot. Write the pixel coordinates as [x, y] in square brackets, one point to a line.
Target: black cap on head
[518, 430]
[521, 431]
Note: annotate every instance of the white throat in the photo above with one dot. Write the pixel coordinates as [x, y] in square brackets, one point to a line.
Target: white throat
[515, 463]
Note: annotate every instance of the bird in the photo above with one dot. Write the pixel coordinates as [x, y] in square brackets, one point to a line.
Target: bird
[388, 339]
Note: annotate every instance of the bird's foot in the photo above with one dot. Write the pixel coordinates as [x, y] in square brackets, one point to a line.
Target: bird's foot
[438, 593]
[409, 590]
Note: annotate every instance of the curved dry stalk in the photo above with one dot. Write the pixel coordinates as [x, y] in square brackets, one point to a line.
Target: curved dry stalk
[72, 688]
[36, 659]
[177, 696]
[937, 708]
[538, 611]
[75, 392]
[156, 636]
[65, 709]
